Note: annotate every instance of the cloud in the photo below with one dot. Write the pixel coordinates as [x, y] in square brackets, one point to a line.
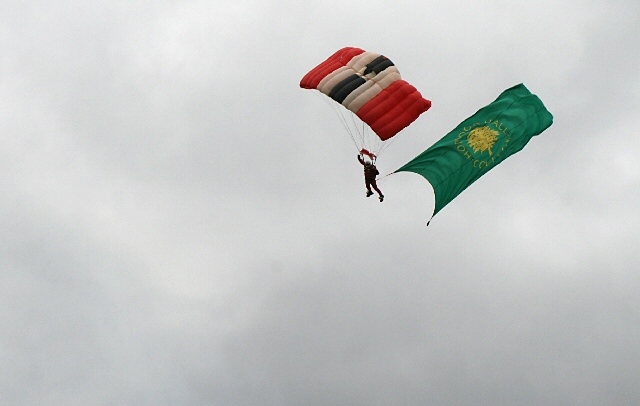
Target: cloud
[182, 224]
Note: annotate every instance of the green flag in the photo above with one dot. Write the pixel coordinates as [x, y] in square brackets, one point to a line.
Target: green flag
[481, 142]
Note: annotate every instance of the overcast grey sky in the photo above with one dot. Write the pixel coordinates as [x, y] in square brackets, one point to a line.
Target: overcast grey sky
[181, 224]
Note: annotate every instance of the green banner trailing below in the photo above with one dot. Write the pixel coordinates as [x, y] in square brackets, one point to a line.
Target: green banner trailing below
[480, 142]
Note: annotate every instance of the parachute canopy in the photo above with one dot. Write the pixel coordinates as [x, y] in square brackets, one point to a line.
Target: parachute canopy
[369, 85]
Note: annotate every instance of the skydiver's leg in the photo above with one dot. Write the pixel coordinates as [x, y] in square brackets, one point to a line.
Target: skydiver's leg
[368, 185]
[375, 187]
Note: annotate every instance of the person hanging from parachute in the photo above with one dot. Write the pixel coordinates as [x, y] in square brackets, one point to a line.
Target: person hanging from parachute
[370, 172]
[367, 86]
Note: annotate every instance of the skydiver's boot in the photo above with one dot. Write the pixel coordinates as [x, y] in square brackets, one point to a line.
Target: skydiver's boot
[369, 193]
[381, 198]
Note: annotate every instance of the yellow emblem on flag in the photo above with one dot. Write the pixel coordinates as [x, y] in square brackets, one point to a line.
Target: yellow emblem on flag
[482, 139]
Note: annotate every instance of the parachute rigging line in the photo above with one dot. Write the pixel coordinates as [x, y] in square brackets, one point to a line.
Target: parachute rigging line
[337, 111]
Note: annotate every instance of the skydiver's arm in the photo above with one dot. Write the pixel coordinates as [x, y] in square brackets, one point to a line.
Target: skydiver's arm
[360, 160]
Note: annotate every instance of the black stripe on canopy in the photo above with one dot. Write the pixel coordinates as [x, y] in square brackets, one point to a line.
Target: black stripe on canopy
[378, 65]
[341, 90]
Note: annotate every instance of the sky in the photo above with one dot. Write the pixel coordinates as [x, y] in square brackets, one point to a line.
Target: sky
[182, 224]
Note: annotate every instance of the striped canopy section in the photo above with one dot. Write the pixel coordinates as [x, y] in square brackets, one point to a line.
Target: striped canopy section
[369, 85]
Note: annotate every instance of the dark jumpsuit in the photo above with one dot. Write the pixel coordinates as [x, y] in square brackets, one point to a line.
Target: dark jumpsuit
[370, 172]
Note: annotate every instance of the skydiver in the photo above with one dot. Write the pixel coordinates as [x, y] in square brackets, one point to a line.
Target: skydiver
[370, 172]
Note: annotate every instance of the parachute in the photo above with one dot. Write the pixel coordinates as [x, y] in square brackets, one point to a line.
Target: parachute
[369, 86]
